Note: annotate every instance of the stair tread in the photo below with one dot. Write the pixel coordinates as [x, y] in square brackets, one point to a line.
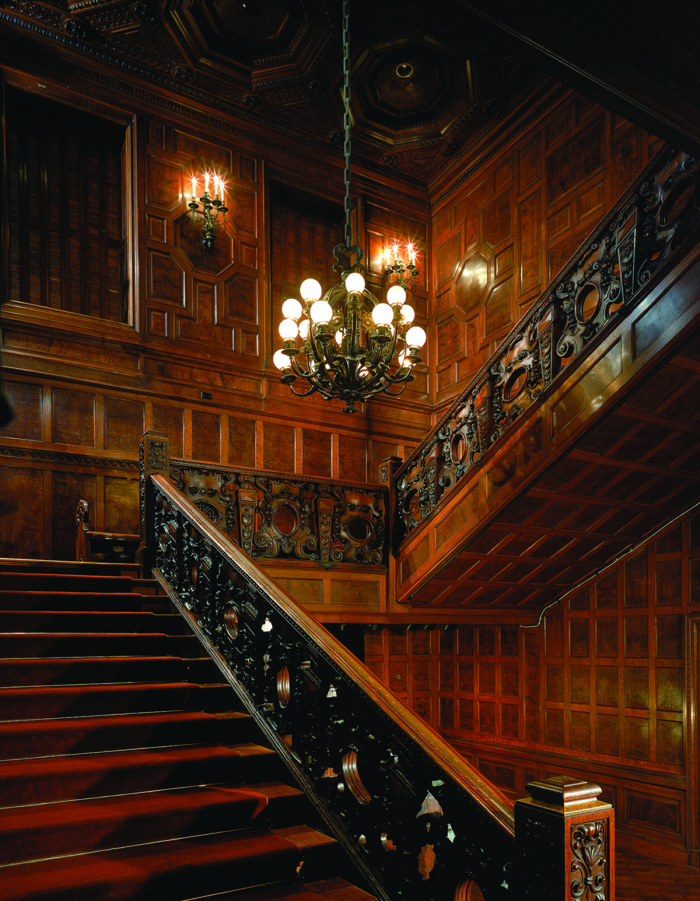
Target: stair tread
[54, 815]
[330, 889]
[170, 866]
[86, 763]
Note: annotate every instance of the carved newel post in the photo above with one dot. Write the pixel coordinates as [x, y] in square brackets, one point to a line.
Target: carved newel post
[565, 842]
[154, 456]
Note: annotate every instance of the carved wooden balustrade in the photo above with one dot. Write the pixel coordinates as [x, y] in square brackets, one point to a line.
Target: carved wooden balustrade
[279, 516]
[417, 820]
[633, 246]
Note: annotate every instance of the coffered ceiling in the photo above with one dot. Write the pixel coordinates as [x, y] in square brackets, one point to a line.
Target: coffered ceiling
[430, 81]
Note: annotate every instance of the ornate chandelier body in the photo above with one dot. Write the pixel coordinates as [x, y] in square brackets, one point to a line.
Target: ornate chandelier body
[345, 343]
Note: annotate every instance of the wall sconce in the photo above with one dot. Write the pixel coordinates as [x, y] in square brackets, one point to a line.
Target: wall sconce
[396, 270]
[210, 210]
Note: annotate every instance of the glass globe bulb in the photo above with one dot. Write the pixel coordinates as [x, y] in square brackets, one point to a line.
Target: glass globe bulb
[310, 289]
[415, 337]
[408, 314]
[291, 308]
[281, 360]
[405, 362]
[339, 335]
[321, 312]
[355, 283]
[288, 329]
[395, 296]
[304, 329]
[382, 314]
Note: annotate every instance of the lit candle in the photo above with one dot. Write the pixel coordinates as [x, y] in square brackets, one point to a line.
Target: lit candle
[206, 182]
[411, 253]
[222, 186]
[396, 251]
[194, 188]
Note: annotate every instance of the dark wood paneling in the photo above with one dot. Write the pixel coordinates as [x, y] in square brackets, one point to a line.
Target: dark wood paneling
[279, 447]
[25, 402]
[124, 424]
[21, 514]
[170, 421]
[609, 702]
[242, 442]
[73, 417]
[206, 436]
[121, 505]
[67, 489]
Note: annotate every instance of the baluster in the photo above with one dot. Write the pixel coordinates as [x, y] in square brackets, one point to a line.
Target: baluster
[154, 456]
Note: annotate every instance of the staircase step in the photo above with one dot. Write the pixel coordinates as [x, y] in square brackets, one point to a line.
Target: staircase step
[84, 670]
[91, 700]
[87, 621]
[82, 735]
[112, 644]
[172, 870]
[70, 827]
[329, 889]
[71, 582]
[11, 599]
[118, 772]
[106, 644]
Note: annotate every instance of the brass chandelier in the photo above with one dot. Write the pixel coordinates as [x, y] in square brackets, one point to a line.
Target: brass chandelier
[345, 343]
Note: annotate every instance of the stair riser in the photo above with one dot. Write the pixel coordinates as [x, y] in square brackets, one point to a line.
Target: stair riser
[29, 703]
[82, 621]
[86, 671]
[15, 646]
[70, 601]
[17, 581]
[39, 786]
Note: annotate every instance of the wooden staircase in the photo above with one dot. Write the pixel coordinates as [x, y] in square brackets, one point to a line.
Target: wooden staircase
[127, 769]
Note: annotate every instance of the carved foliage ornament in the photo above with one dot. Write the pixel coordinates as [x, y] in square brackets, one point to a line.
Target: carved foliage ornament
[589, 865]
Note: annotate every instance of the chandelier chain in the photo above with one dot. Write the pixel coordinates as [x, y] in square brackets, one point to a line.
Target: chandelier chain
[346, 120]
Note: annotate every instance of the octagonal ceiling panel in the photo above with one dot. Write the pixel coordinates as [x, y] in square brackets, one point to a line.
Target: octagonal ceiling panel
[265, 39]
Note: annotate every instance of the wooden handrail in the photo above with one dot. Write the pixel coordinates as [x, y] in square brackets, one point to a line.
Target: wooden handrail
[403, 718]
[416, 818]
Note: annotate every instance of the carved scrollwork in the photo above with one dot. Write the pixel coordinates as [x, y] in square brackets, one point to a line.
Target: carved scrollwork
[643, 232]
[589, 865]
[413, 831]
[273, 516]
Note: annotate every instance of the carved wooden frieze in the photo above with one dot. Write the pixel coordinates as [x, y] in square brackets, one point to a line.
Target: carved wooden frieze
[282, 517]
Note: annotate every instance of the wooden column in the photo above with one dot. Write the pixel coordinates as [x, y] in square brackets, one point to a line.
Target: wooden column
[565, 842]
[154, 457]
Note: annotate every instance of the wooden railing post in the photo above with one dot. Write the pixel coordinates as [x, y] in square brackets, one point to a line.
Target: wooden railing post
[565, 842]
[154, 456]
[387, 471]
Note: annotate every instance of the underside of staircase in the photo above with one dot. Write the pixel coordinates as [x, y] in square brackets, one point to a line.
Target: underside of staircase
[128, 768]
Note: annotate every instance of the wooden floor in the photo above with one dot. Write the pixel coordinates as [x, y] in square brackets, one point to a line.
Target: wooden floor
[644, 877]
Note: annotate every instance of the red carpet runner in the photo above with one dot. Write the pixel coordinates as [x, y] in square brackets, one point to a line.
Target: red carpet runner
[124, 772]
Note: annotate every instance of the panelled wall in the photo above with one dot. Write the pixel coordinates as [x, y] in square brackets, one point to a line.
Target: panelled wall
[503, 232]
[604, 688]
[193, 358]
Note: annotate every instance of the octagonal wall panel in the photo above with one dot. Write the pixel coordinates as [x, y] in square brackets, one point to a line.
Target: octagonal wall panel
[205, 297]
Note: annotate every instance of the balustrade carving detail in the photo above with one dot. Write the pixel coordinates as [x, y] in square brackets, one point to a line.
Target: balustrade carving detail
[415, 831]
[603, 283]
[282, 517]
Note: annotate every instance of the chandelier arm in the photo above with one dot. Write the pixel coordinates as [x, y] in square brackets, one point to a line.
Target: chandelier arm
[302, 393]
